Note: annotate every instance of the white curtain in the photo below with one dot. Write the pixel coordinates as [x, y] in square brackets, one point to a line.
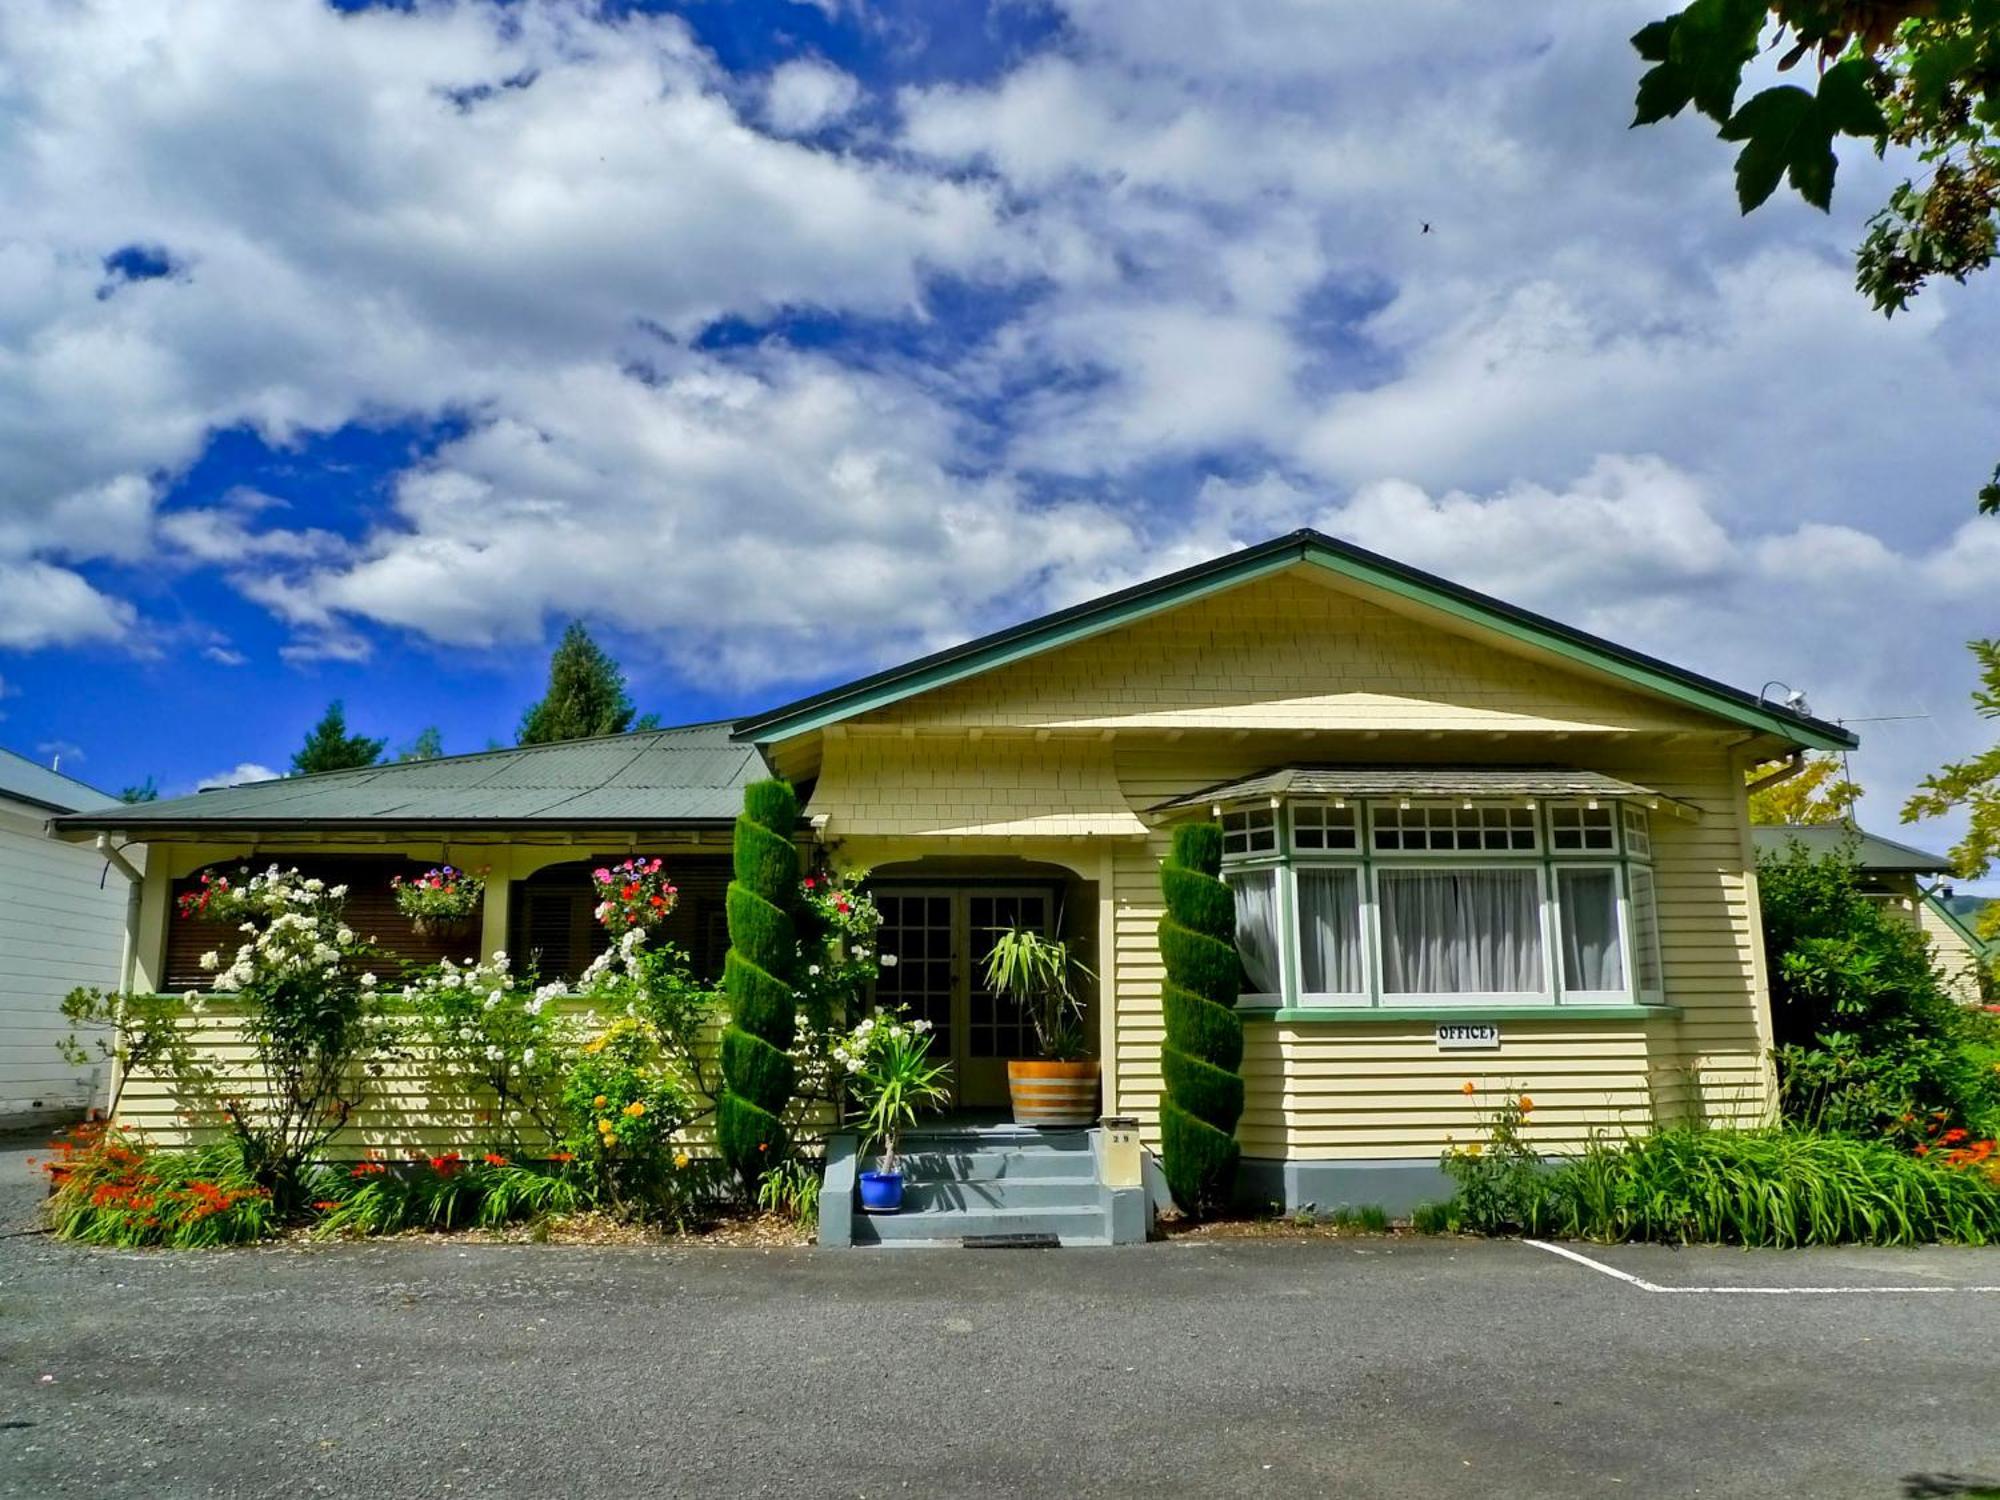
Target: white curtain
[1257, 928]
[1461, 932]
[1593, 958]
[1330, 931]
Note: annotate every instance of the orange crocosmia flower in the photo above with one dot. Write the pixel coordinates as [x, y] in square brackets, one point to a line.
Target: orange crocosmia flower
[1470, 1088]
[325, 1205]
[562, 1156]
[494, 1159]
[1923, 1151]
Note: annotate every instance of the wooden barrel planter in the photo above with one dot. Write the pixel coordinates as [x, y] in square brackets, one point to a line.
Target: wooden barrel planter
[1053, 1093]
[445, 928]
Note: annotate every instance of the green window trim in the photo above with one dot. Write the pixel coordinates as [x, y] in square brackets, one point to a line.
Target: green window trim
[1366, 1013]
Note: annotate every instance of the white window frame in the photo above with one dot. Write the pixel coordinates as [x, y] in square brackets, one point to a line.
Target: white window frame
[1456, 805]
[1288, 929]
[1622, 921]
[1612, 810]
[1546, 995]
[1642, 995]
[1635, 820]
[1371, 982]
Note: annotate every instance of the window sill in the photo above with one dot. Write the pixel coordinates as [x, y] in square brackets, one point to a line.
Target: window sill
[1456, 1012]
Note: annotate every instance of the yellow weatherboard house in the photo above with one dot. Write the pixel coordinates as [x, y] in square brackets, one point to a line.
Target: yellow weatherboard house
[1467, 844]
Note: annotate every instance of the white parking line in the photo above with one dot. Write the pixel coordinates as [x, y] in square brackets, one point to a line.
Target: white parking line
[1748, 1291]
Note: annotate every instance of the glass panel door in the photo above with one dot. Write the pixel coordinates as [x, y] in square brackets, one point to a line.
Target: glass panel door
[918, 927]
[996, 1028]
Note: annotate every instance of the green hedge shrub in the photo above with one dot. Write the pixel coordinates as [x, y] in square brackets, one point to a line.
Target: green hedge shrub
[1868, 1041]
[1204, 1043]
[758, 1075]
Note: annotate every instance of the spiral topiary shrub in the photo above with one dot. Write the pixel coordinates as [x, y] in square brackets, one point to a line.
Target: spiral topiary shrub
[757, 1071]
[1204, 1045]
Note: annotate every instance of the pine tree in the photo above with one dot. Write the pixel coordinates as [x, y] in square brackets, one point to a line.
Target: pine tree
[586, 695]
[146, 791]
[329, 747]
[1203, 1052]
[757, 1069]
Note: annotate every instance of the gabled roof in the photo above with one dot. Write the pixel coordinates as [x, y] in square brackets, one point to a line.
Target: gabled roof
[1984, 947]
[1540, 782]
[1645, 672]
[692, 776]
[24, 781]
[1871, 852]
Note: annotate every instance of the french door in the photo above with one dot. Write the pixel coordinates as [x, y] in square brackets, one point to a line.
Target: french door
[940, 937]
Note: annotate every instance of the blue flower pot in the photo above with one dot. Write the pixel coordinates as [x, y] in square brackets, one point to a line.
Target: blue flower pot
[881, 1192]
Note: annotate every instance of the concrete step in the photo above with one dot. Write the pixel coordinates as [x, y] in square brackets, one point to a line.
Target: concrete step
[930, 1165]
[923, 1195]
[950, 1226]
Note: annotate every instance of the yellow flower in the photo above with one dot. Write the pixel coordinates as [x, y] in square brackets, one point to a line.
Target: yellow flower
[636, 1108]
[680, 1158]
[597, 1044]
[1474, 1149]
[604, 1127]
[610, 1141]
[1470, 1087]
[599, 1102]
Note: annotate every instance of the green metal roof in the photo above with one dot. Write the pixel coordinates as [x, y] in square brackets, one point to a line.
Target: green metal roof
[688, 776]
[1870, 851]
[1317, 549]
[21, 780]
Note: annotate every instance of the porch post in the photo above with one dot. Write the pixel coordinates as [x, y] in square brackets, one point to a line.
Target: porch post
[493, 912]
[1107, 978]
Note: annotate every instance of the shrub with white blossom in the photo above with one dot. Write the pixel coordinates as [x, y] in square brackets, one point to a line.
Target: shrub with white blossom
[311, 1012]
[498, 1043]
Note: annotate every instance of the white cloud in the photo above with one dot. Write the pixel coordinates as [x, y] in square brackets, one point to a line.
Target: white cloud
[1590, 386]
[44, 605]
[238, 775]
[805, 95]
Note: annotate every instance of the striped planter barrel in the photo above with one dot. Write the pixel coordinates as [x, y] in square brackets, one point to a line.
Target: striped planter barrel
[1053, 1093]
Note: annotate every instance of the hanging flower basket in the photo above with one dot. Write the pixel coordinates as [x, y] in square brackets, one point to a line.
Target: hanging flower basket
[634, 894]
[442, 926]
[445, 902]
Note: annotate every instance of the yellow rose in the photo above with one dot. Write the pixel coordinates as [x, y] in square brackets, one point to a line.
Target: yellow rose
[599, 1102]
[604, 1127]
[680, 1158]
[610, 1141]
[636, 1108]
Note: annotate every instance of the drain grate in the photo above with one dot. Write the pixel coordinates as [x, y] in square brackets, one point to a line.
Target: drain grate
[1011, 1242]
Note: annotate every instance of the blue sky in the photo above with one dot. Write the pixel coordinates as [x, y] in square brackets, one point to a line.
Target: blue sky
[347, 352]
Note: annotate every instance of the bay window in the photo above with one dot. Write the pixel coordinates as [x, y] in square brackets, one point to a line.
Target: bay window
[1441, 903]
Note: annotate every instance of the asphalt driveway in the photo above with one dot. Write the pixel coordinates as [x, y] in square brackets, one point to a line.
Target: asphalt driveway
[1369, 1367]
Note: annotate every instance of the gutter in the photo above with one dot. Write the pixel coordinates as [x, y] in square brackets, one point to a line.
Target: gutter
[128, 953]
[1793, 764]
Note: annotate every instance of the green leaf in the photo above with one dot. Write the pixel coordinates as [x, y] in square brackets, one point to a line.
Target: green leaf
[1845, 104]
[1989, 496]
[1663, 90]
[1780, 128]
[1712, 40]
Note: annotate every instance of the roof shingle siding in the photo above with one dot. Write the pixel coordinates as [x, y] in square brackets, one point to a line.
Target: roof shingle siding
[688, 775]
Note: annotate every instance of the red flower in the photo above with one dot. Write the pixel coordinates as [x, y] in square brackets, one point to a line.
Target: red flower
[493, 1160]
[562, 1156]
[326, 1205]
[368, 1169]
[1923, 1151]
[447, 1164]
[1953, 1136]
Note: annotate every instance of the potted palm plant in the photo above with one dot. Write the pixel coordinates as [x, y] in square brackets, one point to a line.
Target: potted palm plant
[892, 1078]
[1040, 974]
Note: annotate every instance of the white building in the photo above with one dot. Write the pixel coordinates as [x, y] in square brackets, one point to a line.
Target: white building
[62, 924]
